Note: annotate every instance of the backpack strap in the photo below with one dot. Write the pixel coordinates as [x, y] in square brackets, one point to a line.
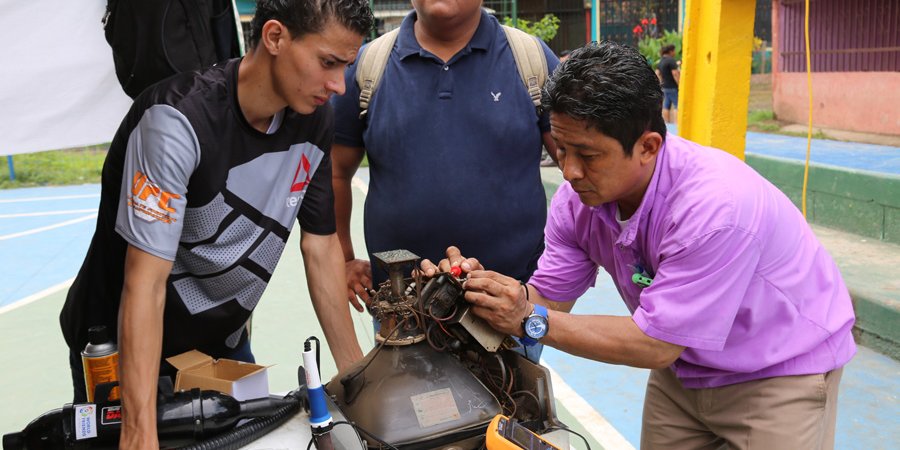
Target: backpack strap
[531, 61]
[527, 51]
[371, 66]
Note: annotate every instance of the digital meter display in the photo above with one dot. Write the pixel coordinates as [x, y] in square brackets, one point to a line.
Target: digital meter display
[523, 437]
[526, 439]
[511, 435]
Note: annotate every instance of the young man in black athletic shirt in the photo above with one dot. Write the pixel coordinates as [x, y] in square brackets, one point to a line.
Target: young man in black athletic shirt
[200, 190]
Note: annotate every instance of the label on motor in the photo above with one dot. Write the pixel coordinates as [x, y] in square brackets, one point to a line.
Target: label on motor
[435, 407]
[85, 421]
[99, 370]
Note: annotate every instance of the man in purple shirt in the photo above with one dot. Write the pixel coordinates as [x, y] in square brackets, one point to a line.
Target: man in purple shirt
[736, 306]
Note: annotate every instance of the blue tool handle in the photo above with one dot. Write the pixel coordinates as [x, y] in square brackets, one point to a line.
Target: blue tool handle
[318, 409]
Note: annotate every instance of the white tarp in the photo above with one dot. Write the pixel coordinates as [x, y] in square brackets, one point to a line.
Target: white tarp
[58, 88]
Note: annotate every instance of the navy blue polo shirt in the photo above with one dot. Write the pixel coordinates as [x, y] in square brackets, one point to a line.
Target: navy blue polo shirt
[454, 153]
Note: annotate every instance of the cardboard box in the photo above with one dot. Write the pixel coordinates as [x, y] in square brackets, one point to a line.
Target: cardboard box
[241, 380]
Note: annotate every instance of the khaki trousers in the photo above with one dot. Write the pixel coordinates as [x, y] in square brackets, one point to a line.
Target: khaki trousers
[795, 412]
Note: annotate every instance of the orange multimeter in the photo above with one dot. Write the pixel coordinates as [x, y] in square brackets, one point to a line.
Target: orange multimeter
[508, 434]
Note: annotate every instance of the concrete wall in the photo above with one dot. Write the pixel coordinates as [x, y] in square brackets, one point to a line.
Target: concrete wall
[859, 202]
[856, 68]
[867, 102]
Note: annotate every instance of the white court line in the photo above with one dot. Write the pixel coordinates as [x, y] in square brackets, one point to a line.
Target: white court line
[357, 182]
[47, 213]
[48, 227]
[599, 428]
[37, 296]
[41, 199]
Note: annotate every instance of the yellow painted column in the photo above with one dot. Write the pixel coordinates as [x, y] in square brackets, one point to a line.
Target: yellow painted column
[715, 73]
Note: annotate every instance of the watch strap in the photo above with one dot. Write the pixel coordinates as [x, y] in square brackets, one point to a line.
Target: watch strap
[540, 310]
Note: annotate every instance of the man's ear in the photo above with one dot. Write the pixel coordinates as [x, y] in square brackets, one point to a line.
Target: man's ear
[275, 36]
[648, 146]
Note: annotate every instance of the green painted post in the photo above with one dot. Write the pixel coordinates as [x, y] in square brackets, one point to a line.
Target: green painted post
[374, 33]
[515, 13]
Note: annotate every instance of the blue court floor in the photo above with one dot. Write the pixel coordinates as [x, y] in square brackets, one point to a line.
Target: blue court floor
[853, 155]
[44, 235]
[824, 152]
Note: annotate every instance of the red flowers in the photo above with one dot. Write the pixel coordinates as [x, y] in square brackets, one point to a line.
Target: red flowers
[645, 25]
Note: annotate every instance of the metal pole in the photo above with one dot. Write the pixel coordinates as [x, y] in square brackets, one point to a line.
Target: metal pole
[242, 47]
[515, 13]
[12, 168]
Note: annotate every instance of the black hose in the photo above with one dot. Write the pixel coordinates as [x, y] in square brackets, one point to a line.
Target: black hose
[250, 431]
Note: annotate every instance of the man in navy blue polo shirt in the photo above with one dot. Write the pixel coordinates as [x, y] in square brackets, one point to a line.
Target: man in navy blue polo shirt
[450, 117]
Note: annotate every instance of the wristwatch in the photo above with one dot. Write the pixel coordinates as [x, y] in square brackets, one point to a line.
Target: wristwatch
[535, 326]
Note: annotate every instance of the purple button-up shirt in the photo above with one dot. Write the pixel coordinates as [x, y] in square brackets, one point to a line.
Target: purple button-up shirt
[739, 278]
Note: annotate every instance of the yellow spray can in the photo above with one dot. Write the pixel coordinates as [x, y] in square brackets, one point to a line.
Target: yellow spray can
[100, 359]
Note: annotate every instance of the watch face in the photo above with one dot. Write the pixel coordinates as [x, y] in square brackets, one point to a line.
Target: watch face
[536, 327]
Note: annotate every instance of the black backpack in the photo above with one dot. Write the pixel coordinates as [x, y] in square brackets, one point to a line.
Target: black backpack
[154, 39]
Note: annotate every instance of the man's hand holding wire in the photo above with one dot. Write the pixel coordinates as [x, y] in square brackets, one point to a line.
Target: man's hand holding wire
[500, 300]
[454, 259]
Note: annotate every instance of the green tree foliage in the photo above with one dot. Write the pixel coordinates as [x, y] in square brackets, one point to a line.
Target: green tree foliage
[545, 29]
[650, 46]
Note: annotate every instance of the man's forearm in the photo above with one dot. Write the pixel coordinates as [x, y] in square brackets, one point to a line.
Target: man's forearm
[345, 162]
[140, 346]
[343, 208]
[611, 339]
[327, 286]
[535, 296]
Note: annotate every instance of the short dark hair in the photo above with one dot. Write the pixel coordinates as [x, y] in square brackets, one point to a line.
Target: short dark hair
[302, 17]
[667, 49]
[612, 88]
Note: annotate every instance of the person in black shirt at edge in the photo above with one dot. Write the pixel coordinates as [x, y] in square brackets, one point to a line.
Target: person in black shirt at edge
[200, 190]
[668, 74]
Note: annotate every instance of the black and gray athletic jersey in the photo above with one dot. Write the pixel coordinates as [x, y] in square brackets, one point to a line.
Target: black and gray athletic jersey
[188, 179]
